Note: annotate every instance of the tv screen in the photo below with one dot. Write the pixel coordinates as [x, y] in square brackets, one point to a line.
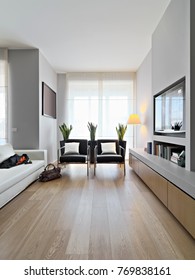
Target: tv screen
[169, 109]
[48, 101]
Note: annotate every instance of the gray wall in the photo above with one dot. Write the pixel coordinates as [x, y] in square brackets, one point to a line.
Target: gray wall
[24, 98]
[27, 70]
[144, 102]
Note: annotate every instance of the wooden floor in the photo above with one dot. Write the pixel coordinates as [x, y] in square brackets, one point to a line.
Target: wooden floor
[102, 217]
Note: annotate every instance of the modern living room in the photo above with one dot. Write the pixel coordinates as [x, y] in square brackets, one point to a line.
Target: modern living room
[101, 69]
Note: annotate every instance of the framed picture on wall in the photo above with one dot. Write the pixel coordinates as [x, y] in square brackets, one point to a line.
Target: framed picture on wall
[48, 101]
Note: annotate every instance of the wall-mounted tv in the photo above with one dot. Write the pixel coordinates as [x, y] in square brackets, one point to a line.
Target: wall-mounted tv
[48, 101]
[169, 110]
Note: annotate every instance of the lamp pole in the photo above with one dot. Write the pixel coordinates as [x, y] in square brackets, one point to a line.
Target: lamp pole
[134, 119]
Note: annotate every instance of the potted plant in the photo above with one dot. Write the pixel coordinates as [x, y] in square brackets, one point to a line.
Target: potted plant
[177, 125]
[121, 130]
[92, 143]
[92, 129]
[65, 130]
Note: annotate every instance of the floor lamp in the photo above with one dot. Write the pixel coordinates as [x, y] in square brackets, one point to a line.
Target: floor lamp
[134, 119]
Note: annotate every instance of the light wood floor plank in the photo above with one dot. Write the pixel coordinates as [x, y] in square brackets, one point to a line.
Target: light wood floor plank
[108, 216]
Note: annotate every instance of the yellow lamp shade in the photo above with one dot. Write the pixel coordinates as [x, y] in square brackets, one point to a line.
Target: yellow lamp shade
[133, 119]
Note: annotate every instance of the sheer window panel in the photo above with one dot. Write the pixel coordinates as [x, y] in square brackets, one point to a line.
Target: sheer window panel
[105, 99]
[80, 112]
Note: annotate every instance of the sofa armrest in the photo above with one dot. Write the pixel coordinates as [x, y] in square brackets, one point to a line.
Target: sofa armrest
[34, 154]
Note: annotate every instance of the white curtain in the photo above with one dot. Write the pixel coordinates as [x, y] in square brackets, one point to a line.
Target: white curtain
[106, 99]
[3, 94]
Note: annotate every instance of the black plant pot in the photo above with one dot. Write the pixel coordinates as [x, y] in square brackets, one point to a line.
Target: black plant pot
[92, 144]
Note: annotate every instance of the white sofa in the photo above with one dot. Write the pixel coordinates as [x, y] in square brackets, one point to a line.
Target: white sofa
[17, 178]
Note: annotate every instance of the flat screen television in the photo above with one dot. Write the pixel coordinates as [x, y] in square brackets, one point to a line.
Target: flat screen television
[169, 110]
[48, 101]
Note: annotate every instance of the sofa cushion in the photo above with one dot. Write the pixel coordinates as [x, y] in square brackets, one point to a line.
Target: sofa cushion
[6, 151]
[9, 177]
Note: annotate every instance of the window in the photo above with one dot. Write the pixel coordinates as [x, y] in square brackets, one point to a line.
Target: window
[3, 95]
[105, 99]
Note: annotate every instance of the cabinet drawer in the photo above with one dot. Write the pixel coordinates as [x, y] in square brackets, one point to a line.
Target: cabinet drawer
[160, 188]
[154, 181]
[183, 207]
[130, 160]
[135, 164]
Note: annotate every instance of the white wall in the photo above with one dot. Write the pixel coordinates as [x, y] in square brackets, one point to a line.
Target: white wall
[169, 46]
[61, 116]
[144, 102]
[192, 83]
[171, 57]
[47, 126]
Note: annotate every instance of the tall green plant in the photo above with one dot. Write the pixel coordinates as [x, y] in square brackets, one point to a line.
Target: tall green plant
[92, 129]
[65, 130]
[121, 129]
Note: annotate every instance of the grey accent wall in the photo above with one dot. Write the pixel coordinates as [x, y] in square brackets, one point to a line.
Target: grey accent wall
[28, 128]
[24, 98]
[144, 102]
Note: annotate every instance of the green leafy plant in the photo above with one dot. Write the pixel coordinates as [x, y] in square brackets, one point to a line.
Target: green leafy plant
[177, 125]
[92, 129]
[121, 129]
[65, 130]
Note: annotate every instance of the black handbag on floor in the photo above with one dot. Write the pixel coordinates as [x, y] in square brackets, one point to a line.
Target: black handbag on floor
[50, 173]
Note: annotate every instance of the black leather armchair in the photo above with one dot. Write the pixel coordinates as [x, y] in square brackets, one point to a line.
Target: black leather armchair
[74, 151]
[106, 156]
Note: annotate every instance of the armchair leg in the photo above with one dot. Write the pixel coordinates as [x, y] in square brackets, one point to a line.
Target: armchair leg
[87, 169]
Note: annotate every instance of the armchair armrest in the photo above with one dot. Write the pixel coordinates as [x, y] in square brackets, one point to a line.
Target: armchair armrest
[122, 151]
[34, 154]
[95, 154]
[58, 153]
[88, 153]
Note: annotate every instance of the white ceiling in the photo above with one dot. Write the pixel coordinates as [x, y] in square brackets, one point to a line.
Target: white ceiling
[83, 35]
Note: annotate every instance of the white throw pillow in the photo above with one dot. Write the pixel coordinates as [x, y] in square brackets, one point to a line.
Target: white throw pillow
[6, 151]
[72, 148]
[108, 148]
